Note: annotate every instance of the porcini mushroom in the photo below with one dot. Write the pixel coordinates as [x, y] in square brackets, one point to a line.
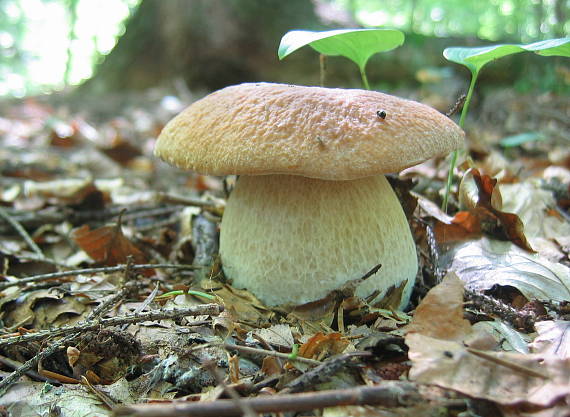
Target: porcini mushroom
[311, 209]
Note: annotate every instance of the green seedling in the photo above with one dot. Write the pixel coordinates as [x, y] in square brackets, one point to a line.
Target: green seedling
[520, 139]
[358, 45]
[294, 351]
[175, 293]
[476, 58]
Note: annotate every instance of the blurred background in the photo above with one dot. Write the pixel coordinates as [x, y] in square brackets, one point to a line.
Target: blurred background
[126, 45]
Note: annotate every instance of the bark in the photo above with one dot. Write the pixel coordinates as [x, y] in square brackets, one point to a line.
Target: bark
[209, 43]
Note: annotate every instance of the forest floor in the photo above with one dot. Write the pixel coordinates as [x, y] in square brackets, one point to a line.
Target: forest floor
[113, 300]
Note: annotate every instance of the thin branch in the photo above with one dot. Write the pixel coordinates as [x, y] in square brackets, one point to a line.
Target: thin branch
[111, 301]
[246, 409]
[491, 306]
[107, 269]
[22, 232]
[55, 345]
[389, 394]
[144, 304]
[322, 373]
[50, 350]
[256, 351]
[206, 309]
[172, 198]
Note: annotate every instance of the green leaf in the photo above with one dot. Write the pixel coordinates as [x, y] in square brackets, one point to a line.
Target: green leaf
[520, 139]
[358, 45]
[476, 58]
[551, 47]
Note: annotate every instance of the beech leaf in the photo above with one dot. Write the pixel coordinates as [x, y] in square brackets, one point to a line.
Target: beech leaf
[358, 45]
[107, 245]
[484, 263]
[553, 338]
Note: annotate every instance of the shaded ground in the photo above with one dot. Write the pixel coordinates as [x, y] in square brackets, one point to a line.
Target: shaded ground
[80, 189]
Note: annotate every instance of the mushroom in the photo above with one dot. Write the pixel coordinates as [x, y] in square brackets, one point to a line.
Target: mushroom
[311, 209]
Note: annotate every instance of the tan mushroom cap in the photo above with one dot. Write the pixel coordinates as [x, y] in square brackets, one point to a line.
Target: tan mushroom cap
[325, 133]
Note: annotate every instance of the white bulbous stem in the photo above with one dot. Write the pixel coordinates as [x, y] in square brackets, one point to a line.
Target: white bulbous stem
[292, 240]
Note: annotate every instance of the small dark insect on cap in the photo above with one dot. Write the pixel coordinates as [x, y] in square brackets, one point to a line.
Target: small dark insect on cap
[381, 114]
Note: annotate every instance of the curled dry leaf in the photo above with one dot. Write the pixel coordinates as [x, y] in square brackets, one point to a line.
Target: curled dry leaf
[321, 345]
[107, 245]
[484, 263]
[483, 214]
[534, 207]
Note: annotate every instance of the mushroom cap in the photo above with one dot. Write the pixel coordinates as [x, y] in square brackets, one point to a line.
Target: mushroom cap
[324, 133]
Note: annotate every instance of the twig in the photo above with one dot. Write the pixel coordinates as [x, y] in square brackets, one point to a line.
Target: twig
[321, 373]
[456, 106]
[389, 394]
[11, 363]
[111, 301]
[144, 304]
[171, 198]
[493, 307]
[256, 351]
[245, 408]
[22, 232]
[107, 269]
[206, 309]
[38, 259]
[105, 399]
[50, 350]
[56, 344]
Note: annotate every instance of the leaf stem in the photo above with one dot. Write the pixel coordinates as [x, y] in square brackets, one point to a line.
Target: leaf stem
[323, 68]
[455, 154]
[364, 78]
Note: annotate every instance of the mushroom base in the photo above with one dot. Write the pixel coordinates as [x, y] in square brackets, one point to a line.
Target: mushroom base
[292, 240]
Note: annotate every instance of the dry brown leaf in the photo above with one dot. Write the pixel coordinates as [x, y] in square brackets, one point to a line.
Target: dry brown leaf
[107, 245]
[534, 207]
[242, 305]
[271, 366]
[506, 378]
[276, 335]
[485, 263]
[321, 345]
[440, 314]
[553, 338]
[443, 359]
[483, 215]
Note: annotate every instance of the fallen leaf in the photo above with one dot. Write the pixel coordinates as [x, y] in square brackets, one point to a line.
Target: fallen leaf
[507, 338]
[553, 338]
[504, 377]
[321, 345]
[448, 361]
[107, 245]
[533, 206]
[276, 335]
[440, 314]
[484, 212]
[484, 263]
[271, 366]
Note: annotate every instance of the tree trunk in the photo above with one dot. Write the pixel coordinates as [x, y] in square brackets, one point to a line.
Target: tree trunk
[209, 43]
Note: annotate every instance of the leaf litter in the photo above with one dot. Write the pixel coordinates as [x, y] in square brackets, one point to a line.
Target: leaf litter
[90, 195]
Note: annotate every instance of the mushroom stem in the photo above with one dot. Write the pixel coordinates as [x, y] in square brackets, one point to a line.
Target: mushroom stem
[292, 240]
